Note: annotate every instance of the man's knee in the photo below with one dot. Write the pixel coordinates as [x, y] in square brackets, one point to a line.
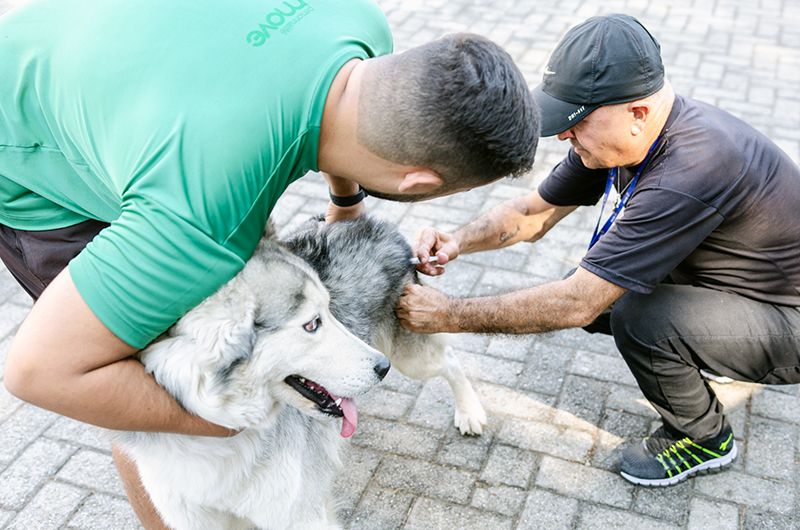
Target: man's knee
[636, 322]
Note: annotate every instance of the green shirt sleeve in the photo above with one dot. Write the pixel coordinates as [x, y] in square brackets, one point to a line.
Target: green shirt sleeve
[128, 274]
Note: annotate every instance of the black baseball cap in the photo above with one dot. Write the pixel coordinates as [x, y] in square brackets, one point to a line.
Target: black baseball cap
[605, 60]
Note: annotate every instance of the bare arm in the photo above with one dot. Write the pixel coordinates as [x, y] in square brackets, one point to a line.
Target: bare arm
[525, 218]
[573, 302]
[65, 360]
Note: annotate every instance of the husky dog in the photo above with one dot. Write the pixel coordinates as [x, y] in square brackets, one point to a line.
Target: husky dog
[365, 263]
[270, 354]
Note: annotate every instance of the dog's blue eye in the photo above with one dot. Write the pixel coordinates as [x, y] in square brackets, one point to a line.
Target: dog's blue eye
[312, 326]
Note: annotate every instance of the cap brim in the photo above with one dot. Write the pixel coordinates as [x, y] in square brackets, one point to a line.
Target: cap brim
[557, 116]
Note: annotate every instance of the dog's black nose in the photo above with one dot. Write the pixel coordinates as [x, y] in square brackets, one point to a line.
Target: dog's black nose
[382, 368]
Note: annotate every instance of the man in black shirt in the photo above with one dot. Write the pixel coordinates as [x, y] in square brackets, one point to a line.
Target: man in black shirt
[699, 272]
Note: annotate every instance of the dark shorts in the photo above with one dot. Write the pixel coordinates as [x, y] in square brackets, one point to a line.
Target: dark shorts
[34, 258]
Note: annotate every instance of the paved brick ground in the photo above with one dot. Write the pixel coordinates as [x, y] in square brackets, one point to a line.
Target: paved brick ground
[559, 405]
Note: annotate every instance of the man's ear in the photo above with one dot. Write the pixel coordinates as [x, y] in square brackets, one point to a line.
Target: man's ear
[420, 181]
[640, 112]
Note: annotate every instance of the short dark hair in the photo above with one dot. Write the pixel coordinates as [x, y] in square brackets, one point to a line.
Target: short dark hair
[458, 106]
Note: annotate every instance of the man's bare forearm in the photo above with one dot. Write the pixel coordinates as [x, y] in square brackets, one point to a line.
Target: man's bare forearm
[503, 225]
[535, 310]
[65, 360]
[525, 218]
[574, 302]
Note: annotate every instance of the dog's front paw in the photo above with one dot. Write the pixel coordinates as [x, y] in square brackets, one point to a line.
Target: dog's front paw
[471, 422]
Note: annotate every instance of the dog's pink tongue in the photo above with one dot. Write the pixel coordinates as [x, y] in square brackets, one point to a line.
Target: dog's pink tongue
[350, 419]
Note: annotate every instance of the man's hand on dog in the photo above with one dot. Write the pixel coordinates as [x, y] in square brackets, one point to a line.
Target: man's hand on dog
[431, 242]
[423, 309]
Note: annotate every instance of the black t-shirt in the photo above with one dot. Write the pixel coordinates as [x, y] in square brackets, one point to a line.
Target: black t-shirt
[717, 205]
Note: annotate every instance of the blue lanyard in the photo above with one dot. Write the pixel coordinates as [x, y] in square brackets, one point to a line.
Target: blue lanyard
[612, 175]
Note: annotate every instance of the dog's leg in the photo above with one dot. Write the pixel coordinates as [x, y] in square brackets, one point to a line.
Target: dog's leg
[425, 356]
[470, 416]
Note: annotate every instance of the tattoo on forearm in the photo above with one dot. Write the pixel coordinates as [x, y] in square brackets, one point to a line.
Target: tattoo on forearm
[504, 236]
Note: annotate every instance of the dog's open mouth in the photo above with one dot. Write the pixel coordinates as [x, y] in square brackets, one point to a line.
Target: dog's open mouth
[327, 403]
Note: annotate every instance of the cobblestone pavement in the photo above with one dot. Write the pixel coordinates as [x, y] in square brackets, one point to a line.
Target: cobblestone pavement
[559, 405]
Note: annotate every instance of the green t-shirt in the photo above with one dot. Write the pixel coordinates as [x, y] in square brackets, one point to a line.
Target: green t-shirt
[178, 122]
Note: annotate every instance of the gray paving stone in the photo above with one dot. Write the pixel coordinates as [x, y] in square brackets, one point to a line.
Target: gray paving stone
[5, 344]
[511, 347]
[561, 442]
[80, 434]
[382, 508]
[581, 403]
[468, 452]
[459, 280]
[776, 405]
[602, 518]
[491, 369]
[8, 404]
[547, 511]
[739, 488]
[511, 259]
[52, 506]
[429, 514]
[385, 404]
[546, 260]
[11, 316]
[470, 342]
[396, 381]
[103, 512]
[20, 480]
[349, 487]
[92, 470]
[507, 402]
[21, 428]
[510, 466]
[584, 482]
[769, 450]
[6, 515]
[434, 407]
[547, 369]
[578, 339]
[707, 515]
[503, 500]
[8, 286]
[756, 519]
[602, 367]
[21, 300]
[407, 440]
[667, 504]
[423, 478]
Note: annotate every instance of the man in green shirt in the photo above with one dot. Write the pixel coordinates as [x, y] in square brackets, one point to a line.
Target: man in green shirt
[169, 130]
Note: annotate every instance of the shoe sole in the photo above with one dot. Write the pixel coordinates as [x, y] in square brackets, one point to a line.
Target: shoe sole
[712, 466]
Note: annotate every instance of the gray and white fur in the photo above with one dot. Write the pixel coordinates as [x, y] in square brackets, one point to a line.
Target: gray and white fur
[279, 353]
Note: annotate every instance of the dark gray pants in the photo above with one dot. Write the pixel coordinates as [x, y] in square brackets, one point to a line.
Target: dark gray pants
[668, 335]
[34, 258]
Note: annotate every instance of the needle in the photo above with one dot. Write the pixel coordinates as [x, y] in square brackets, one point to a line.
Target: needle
[432, 259]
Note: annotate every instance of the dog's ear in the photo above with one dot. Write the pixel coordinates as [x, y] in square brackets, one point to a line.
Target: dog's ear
[200, 353]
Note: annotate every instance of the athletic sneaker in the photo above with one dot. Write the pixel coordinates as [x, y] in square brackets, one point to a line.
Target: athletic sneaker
[662, 459]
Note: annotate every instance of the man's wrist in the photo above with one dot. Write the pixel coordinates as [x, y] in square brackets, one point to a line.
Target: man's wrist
[450, 318]
[350, 200]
